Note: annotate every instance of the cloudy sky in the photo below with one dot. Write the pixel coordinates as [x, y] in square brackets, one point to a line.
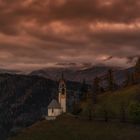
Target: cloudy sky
[48, 33]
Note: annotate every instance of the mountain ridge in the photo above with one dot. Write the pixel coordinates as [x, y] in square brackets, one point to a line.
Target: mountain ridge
[79, 75]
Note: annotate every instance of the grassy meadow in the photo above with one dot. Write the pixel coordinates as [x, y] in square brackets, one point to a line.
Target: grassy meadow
[67, 127]
[114, 103]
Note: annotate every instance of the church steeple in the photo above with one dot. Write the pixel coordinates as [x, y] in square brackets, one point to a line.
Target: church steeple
[62, 76]
[62, 93]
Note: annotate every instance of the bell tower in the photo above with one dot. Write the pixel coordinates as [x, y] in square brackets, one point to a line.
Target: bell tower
[62, 93]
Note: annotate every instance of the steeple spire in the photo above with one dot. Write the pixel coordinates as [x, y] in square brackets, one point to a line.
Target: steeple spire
[62, 76]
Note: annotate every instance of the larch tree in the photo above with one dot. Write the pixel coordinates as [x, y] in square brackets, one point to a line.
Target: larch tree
[84, 89]
[110, 79]
[96, 89]
[137, 71]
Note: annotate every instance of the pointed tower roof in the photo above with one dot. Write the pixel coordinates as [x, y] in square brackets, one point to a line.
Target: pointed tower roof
[62, 79]
[62, 76]
[54, 104]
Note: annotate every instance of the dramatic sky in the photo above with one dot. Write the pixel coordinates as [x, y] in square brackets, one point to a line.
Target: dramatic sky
[48, 33]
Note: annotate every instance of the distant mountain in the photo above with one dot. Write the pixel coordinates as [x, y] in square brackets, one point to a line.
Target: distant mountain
[78, 75]
[2, 71]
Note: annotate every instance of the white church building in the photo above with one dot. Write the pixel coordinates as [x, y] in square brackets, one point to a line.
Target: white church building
[57, 107]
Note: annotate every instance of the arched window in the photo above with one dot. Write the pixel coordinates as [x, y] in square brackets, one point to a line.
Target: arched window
[52, 110]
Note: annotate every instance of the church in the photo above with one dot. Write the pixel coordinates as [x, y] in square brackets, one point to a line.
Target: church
[57, 107]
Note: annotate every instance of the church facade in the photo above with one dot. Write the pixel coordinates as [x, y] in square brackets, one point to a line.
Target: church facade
[54, 109]
[57, 107]
[62, 94]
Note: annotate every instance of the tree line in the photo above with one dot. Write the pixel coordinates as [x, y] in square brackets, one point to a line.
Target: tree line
[90, 94]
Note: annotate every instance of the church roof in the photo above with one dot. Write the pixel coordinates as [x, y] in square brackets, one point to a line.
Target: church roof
[54, 104]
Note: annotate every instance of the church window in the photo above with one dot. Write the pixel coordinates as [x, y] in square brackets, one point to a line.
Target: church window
[52, 110]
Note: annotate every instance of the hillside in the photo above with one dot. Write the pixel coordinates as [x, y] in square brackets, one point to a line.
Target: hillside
[68, 128]
[24, 99]
[114, 105]
[78, 75]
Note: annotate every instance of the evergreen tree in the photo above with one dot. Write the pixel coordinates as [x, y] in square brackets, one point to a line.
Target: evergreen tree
[96, 89]
[84, 90]
[130, 79]
[137, 71]
[137, 67]
[89, 105]
[110, 79]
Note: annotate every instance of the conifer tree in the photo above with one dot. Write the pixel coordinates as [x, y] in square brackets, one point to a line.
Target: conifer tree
[130, 78]
[89, 105]
[137, 71]
[137, 67]
[84, 89]
[110, 78]
[96, 89]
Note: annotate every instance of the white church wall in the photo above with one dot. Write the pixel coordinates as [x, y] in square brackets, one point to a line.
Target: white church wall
[54, 112]
[63, 104]
[48, 118]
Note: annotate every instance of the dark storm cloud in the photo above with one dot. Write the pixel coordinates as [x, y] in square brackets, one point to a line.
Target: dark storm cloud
[97, 10]
[44, 11]
[40, 33]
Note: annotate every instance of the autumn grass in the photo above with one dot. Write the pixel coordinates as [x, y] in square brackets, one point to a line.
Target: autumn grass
[68, 128]
[113, 102]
